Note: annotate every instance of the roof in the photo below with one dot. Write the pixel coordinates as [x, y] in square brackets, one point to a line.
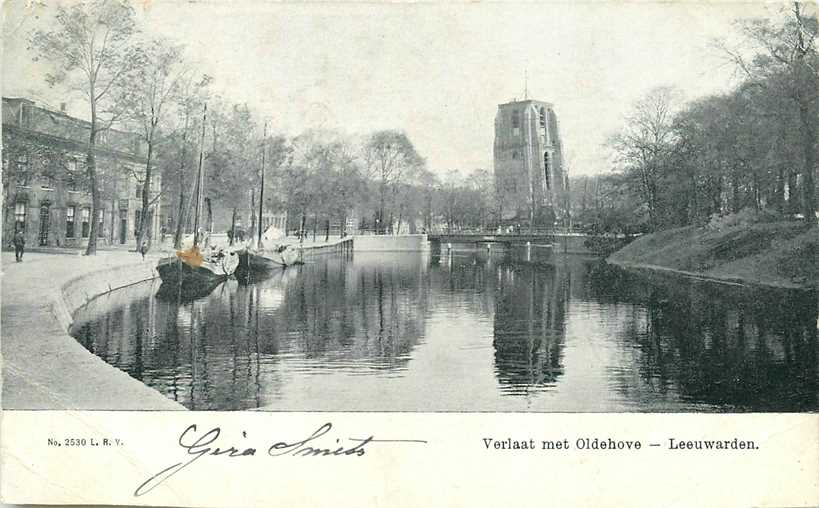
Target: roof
[25, 114]
[525, 101]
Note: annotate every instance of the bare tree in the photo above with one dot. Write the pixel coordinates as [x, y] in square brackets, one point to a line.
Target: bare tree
[643, 144]
[92, 53]
[157, 83]
[784, 59]
[389, 156]
[190, 96]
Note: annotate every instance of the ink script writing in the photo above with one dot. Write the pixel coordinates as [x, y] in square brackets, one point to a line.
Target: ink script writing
[198, 445]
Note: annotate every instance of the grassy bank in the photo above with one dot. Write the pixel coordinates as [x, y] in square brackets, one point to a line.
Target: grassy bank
[782, 254]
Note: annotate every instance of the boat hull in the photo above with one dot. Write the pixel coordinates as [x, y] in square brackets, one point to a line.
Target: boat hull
[190, 280]
[264, 262]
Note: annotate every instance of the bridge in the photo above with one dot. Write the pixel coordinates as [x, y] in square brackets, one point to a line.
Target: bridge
[566, 242]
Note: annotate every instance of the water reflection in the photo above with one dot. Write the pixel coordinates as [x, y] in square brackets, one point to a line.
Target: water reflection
[720, 345]
[471, 330]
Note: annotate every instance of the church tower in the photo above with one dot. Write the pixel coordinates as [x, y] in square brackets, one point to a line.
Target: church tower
[530, 178]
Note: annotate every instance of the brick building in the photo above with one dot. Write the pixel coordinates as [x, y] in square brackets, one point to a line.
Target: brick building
[45, 187]
[529, 167]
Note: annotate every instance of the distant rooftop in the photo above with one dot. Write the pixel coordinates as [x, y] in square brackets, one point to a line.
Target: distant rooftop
[25, 114]
[525, 101]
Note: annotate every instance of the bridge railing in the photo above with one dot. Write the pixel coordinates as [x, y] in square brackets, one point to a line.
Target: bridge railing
[511, 232]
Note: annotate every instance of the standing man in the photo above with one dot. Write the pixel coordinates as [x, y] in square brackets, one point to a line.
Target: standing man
[19, 245]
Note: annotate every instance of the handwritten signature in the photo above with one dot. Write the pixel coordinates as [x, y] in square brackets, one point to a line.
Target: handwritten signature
[198, 446]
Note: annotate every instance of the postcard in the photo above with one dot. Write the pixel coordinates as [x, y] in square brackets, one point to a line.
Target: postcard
[409, 254]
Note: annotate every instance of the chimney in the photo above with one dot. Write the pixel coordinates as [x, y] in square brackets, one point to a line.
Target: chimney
[62, 107]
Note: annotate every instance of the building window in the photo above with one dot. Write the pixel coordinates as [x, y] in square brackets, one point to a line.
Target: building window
[49, 180]
[514, 154]
[86, 222]
[72, 179]
[546, 169]
[23, 174]
[515, 123]
[100, 222]
[137, 220]
[543, 118]
[19, 217]
[69, 221]
[138, 191]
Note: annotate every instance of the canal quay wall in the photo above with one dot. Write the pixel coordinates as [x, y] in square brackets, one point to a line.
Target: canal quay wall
[43, 366]
[389, 243]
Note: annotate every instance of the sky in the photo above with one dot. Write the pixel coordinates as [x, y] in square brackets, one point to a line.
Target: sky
[436, 71]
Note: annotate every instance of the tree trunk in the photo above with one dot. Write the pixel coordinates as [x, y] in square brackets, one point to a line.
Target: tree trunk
[232, 227]
[91, 169]
[113, 215]
[327, 232]
[301, 228]
[146, 195]
[380, 224]
[808, 132]
[180, 213]
[734, 192]
[792, 204]
[149, 230]
[779, 190]
[315, 225]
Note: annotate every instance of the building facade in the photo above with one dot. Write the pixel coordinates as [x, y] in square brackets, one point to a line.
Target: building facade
[530, 175]
[45, 186]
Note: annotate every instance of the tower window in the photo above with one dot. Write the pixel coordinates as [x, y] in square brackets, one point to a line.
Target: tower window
[543, 117]
[515, 123]
[546, 169]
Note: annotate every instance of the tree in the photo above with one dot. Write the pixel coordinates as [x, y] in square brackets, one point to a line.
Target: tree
[389, 156]
[642, 147]
[325, 178]
[235, 158]
[785, 61]
[157, 83]
[92, 52]
[191, 96]
[481, 183]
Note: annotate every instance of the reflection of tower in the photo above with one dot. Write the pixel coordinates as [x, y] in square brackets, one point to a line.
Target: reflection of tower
[529, 326]
[530, 177]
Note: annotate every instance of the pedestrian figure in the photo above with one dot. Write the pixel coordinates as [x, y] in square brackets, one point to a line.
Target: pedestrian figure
[19, 245]
[143, 249]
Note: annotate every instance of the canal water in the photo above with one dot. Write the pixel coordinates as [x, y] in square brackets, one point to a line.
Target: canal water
[469, 331]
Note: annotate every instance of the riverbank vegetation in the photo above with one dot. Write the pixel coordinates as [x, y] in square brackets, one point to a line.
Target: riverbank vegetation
[726, 183]
[738, 248]
[754, 147]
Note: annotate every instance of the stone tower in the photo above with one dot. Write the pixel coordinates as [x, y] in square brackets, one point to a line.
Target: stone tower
[530, 178]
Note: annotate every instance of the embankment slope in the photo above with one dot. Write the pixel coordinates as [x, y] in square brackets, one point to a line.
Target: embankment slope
[781, 254]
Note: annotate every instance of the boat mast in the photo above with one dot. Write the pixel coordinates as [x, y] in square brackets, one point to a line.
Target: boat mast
[199, 179]
[261, 190]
